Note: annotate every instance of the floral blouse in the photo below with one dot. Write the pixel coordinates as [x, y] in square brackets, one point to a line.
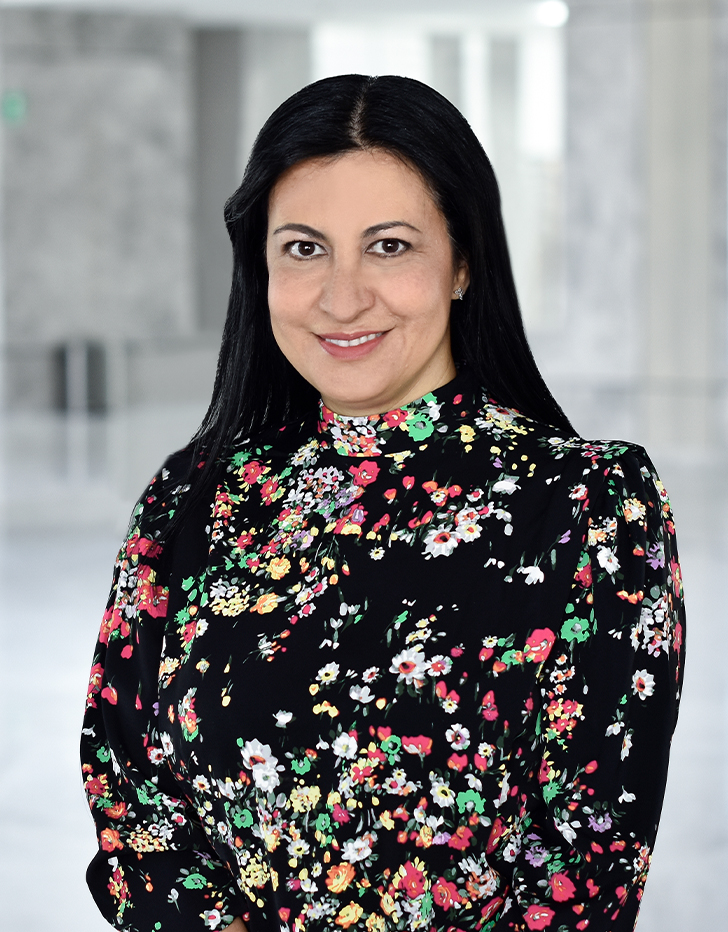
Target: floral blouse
[411, 671]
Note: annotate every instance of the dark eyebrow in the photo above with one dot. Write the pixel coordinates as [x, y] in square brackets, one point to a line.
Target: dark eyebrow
[387, 225]
[370, 231]
[300, 228]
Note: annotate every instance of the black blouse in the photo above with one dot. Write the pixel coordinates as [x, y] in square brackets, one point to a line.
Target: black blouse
[411, 671]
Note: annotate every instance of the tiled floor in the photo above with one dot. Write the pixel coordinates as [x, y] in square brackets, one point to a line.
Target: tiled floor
[54, 573]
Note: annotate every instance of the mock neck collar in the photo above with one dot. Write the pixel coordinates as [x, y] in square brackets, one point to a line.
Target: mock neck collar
[409, 428]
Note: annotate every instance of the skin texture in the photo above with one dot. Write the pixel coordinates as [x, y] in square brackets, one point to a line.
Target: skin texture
[357, 246]
[237, 926]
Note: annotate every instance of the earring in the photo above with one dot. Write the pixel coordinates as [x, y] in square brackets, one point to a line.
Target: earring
[459, 294]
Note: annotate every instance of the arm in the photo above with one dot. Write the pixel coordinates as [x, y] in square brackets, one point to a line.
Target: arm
[154, 864]
[609, 700]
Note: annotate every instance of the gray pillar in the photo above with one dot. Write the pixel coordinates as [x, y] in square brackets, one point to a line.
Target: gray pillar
[685, 330]
[218, 113]
[96, 183]
[644, 354]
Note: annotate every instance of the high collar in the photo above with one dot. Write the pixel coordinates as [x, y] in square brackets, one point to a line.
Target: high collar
[405, 429]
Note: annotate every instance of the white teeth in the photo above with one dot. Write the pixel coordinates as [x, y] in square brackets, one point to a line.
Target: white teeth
[357, 342]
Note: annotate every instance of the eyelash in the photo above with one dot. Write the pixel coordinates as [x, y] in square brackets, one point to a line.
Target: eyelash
[289, 248]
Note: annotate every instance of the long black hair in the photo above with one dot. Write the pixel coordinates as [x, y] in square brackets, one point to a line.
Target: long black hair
[255, 385]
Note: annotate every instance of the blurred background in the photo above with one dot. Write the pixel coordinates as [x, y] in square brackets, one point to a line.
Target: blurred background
[124, 127]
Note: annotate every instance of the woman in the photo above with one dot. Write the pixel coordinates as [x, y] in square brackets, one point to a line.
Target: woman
[408, 657]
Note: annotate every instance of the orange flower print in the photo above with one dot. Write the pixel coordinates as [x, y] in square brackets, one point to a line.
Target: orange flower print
[110, 840]
[339, 877]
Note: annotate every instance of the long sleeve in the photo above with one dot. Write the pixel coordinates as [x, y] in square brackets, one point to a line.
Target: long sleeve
[154, 869]
[609, 699]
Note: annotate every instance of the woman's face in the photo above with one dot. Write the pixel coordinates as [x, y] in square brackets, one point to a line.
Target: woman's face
[361, 276]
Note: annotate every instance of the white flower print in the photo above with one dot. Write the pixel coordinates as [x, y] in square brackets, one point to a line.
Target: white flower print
[410, 665]
[201, 784]
[439, 665]
[608, 560]
[282, 718]
[532, 573]
[643, 684]
[359, 849]
[361, 694]
[328, 673]
[441, 792]
[440, 542]
[345, 746]
[506, 486]
[370, 674]
[458, 736]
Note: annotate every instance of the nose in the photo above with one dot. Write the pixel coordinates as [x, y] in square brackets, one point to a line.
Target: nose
[345, 293]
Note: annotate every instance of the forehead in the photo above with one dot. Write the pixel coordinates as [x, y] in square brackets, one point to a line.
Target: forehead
[366, 186]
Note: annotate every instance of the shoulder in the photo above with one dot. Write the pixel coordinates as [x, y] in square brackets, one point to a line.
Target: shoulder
[165, 493]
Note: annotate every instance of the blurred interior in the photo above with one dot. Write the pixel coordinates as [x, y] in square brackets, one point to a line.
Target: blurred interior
[125, 126]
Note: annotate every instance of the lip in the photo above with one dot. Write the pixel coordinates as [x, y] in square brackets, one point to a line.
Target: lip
[351, 352]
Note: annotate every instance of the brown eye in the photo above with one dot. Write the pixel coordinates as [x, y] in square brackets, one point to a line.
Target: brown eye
[304, 249]
[389, 247]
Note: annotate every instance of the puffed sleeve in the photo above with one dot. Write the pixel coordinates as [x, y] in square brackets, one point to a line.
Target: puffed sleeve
[154, 869]
[609, 699]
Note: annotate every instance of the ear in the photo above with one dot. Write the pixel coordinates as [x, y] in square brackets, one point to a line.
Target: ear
[462, 276]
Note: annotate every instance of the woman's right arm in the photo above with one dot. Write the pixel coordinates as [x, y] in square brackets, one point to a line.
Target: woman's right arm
[154, 864]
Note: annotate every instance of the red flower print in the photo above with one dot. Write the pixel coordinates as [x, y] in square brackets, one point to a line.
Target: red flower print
[268, 490]
[496, 833]
[562, 889]
[110, 694]
[251, 471]
[419, 744]
[491, 908]
[461, 839]
[410, 879]
[490, 709]
[485, 654]
[538, 917]
[395, 418]
[457, 761]
[390, 494]
[408, 481]
[94, 684]
[364, 474]
[340, 814]
[539, 644]
[151, 598]
[445, 893]
[584, 576]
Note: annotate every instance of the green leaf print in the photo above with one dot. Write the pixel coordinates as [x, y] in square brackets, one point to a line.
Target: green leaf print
[188, 583]
[194, 882]
[575, 629]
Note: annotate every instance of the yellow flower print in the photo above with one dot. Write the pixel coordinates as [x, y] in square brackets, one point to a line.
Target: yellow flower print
[634, 510]
[254, 874]
[349, 915]
[376, 923]
[325, 706]
[278, 567]
[467, 434]
[305, 798]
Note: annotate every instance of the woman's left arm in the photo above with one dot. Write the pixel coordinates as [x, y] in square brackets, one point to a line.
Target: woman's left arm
[609, 700]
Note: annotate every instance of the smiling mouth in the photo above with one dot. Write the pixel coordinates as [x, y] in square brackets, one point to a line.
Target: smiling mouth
[356, 342]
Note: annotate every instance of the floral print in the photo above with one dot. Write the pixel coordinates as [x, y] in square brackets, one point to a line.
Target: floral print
[411, 671]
